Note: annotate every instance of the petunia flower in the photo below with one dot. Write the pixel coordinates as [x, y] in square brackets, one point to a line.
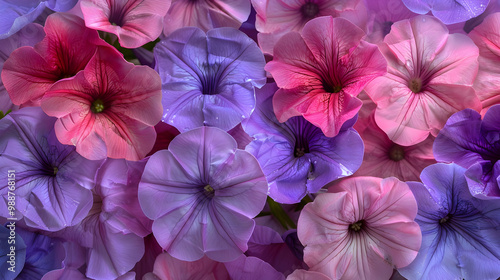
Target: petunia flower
[275, 18]
[28, 36]
[448, 11]
[107, 110]
[202, 194]
[384, 158]
[206, 14]
[487, 38]
[110, 237]
[35, 254]
[66, 49]
[208, 79]
[360, 229]
[429, 78]
[53, 181]
[18, 14]
[320, 72]
[473, 144]
[459, 232]
[135, 22]
[296, 156]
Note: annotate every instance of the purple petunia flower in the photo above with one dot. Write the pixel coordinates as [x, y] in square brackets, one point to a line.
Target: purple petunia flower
[296, 156]
[53, 181]
[208, 79]
[459, 232]
[202, 194]
[448, 11]
[35, 254]
[17, 14]
[475, 145]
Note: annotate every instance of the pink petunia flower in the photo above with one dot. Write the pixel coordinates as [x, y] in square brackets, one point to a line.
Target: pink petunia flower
[206, 14]
[487, 38]
[109, 109]
[361, 229]
[66, 49]
[320, 72]
[430, 75]
[275, 18]
[135, 22]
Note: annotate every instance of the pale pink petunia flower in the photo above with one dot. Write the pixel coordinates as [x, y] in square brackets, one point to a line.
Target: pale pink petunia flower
[361, 229]
[275, 18]
[430, 76]
[487, 38]
[107, 110]
[206, 14]
[135, 22]
[321, 71]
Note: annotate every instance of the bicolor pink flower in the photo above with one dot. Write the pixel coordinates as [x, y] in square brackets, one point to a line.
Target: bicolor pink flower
[206, 14]
[320, 72]
[275, 18]
[360, 229]
[487, 38]
[429, 78]
[109, 109]
[135, 22]
[66, 49]
[384, 158]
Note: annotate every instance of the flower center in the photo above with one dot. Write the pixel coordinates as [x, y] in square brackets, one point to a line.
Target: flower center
[309, 10]
[444, 220]
[357, 226]
[301, 147]
[55, 170]
[210, 79]
[97, 106]
[331, 88]
[396, 153]
[209, 191]
[386, 27]
[415, 85]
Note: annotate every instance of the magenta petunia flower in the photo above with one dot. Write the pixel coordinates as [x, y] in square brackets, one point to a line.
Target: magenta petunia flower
[135, 22]
[487, 38]
[429, 78]
[360, 229]
[275, 18]
[66, 49]
[206, 14]
[202, 194]
[320, 72]
[109, 109]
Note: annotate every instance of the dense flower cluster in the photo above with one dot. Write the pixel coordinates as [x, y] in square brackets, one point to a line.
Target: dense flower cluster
[249, 139]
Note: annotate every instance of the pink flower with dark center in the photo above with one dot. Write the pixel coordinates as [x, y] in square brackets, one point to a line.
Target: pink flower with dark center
[320, 72]
[206, 14]
[66, 49]
[109, 109]
[277, 17]
[360, 229]
[135, 22]
[430, 75]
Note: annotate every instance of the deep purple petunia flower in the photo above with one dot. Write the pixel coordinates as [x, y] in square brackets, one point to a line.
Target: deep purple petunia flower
[208, 79]
[53, 181]
[296, 156]
[448, 11]
[202, 194]
[459, 232]
[475, 145]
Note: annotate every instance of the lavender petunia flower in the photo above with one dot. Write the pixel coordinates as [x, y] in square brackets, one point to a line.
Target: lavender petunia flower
[448, 11]
[475, 145]
[53, 181]
[459, 232]
[296, 156]
[28, 36]
[35, 254]
[208, 79]
[17, 14]
[202, 194]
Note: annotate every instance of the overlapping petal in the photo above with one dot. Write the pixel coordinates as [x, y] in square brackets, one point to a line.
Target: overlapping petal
[448, 11]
